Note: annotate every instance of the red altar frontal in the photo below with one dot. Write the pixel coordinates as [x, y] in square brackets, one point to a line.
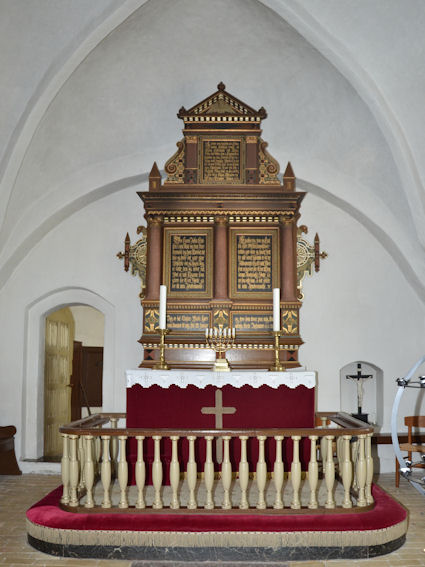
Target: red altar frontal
[219, 400]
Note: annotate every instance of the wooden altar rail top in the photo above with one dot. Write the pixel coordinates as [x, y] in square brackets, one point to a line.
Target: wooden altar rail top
[342, 454]
[90, 426]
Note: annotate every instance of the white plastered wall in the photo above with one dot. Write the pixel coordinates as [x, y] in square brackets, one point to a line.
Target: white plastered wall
[74, 197]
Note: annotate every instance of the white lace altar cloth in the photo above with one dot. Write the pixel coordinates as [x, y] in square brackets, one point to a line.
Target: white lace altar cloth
[146, 377]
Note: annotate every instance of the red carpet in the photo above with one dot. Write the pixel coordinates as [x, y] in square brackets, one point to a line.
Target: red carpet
[386, 512]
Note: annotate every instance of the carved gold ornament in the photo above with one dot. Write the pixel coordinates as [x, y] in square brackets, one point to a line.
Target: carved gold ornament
[268, 166]
[134, 255]
[174, 167]
[308, 255]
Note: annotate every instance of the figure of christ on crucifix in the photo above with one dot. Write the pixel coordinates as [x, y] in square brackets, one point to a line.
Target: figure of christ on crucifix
[218, 410]
[360, 379]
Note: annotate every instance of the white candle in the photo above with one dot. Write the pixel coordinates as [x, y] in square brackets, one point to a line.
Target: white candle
[162, 306]
[276, 309]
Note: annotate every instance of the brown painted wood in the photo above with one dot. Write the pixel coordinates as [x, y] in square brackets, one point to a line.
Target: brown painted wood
[77, 361]
[87, 426]
[257, 200]
[92, 372]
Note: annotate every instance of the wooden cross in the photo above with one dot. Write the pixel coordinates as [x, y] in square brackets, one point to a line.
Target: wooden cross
[218, 410]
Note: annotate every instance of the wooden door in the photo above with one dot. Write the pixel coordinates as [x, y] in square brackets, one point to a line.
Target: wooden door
[91, 378]
[57, 371]
[86, 379]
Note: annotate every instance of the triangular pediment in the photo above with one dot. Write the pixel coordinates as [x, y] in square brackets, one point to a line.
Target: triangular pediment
[222, 103]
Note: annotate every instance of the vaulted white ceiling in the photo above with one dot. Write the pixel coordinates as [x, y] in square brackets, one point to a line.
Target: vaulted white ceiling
[90, 91]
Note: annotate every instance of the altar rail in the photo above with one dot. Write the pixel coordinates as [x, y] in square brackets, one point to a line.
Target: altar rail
[94, 449]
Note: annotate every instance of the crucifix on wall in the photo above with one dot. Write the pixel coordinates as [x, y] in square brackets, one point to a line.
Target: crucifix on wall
[360, 379]
[218, 410]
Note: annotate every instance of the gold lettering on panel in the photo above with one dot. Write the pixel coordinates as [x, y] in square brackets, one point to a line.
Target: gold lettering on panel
[253, 322]
[221, 161]
[188, 262]
[188, 321]
[254, 263]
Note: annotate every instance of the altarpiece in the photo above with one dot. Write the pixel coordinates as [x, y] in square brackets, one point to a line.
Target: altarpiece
[221, 234]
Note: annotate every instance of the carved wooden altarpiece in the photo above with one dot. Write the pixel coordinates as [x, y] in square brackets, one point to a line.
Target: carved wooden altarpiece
[221, 234]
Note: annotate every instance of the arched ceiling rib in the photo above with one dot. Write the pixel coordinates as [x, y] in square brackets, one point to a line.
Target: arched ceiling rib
[52, 81]
[339, 55]
[302, 21]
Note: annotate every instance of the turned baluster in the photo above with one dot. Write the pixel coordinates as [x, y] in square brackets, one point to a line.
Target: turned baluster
[140, 473]
[74, 470]
[81, 462]
[323, 443]
[209, 473]
[89, 472]
[340, 453]
[157, 472]
[330, 472]
[114, 446]
[174, 473]
[65, 469]
[369, 469]
[226, 474]
[97, 453]
[346, 470]
[278, 473]
[296, 473]
[361, 472]
[313, 473]
[105, 472]
[261, 473]
[191, 473]
[354, 457]
[123, 472]
[243, 474]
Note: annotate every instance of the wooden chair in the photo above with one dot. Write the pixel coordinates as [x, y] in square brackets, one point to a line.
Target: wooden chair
[411, 421]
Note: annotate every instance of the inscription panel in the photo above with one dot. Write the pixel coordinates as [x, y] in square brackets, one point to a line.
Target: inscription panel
[222, 161]
[182, 322]
[253, 322]
[187, 262]
[254, 262]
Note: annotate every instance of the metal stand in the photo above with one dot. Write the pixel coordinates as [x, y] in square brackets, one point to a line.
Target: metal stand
[220, 340]
[162, 365]
[277, 367]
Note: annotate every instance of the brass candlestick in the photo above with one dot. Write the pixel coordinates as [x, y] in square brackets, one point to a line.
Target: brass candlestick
[220, 340]
[277, 365]
[162, 365]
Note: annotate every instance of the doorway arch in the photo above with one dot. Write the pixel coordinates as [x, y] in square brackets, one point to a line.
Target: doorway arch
[33, 379]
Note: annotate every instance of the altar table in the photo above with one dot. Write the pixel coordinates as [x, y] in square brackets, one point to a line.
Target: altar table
[214, 400]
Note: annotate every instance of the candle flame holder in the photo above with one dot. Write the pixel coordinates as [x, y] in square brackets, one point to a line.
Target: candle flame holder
[277, 367]
[162, 365]
[220, 340]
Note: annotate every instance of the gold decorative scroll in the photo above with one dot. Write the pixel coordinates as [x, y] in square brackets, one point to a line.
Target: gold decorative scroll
[174, 167]
[151, 320]
[134, 255]
[268, 166]
[290, 322]
[308, 256]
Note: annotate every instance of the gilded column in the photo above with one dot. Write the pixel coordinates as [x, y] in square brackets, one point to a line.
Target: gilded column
[154, 257]
[288, 265]
[220, 258]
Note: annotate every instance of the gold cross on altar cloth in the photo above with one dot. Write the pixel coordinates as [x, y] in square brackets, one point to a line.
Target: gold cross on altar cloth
[218, 410]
